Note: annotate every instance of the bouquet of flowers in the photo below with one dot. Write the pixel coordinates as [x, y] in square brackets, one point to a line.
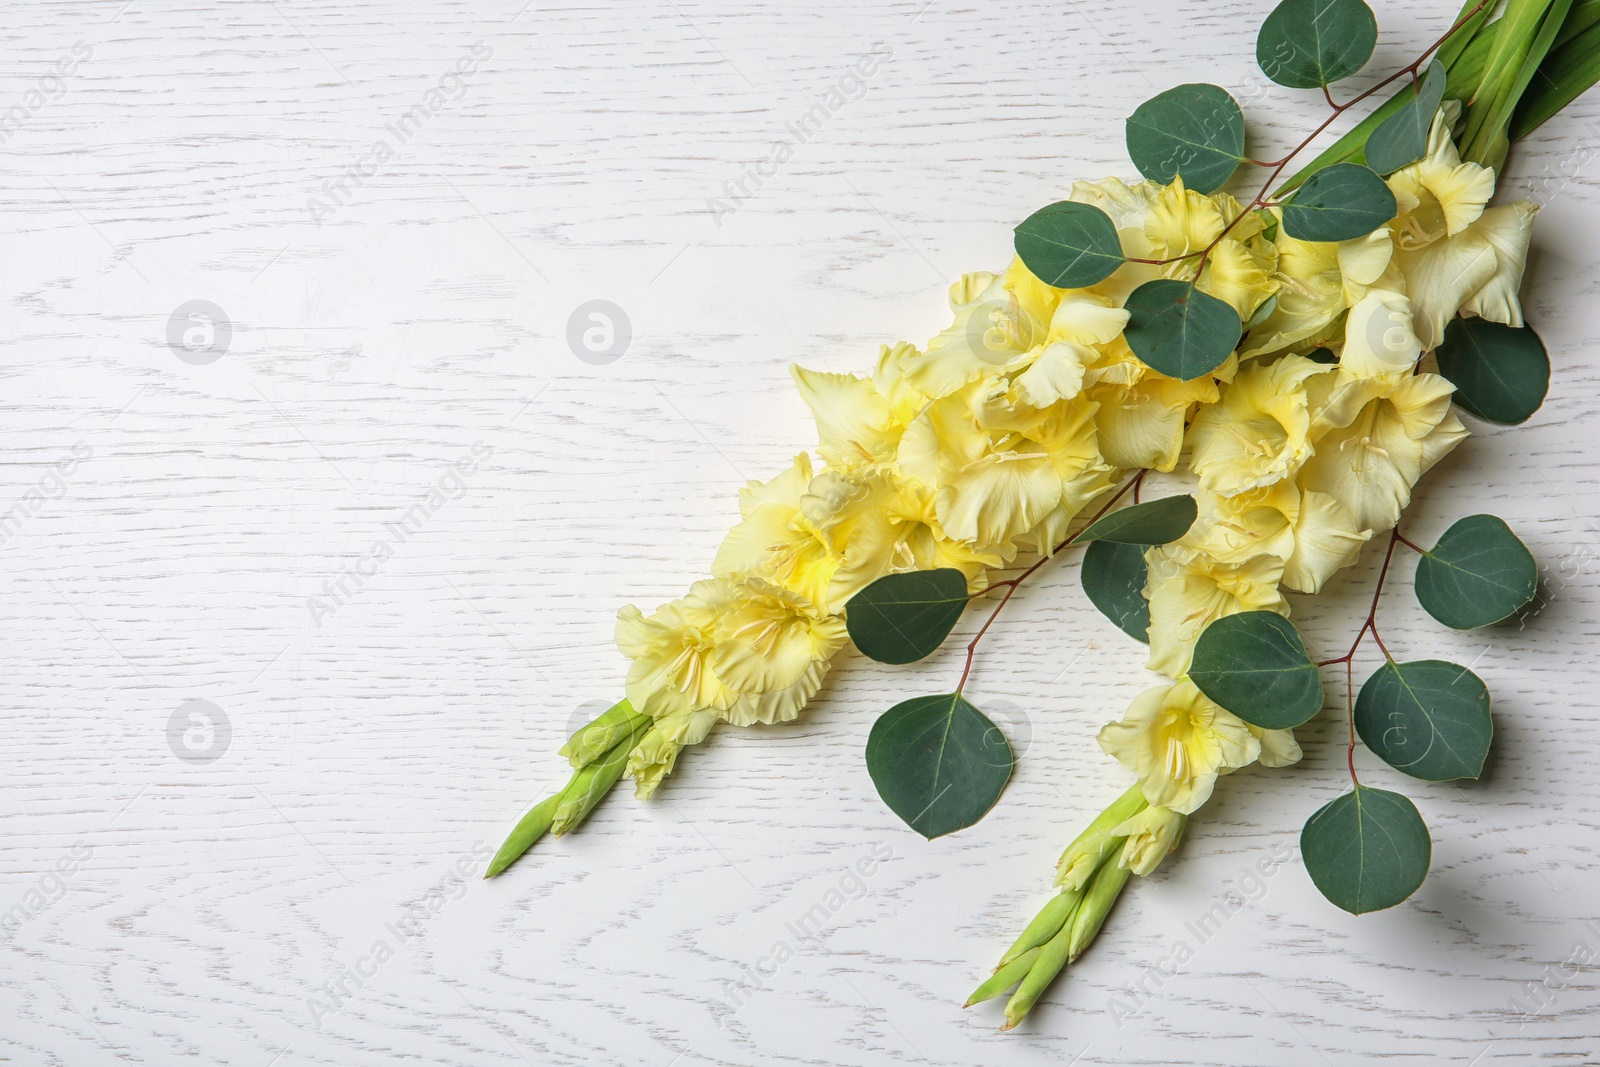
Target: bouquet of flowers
[1294, 360]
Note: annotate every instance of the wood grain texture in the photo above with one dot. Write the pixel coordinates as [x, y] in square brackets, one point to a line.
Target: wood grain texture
[176, 520]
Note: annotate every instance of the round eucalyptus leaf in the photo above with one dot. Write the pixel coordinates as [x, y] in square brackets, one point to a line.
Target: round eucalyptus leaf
[1069, 245]
[900, 618]
[1178, 330]
[1306, 44]
[1403, 137]
[1478, 574]
[1367, 850]
[1501, 373]
[1255, 665]
[1113, 576]
[1196, 131]
[938, 762]
[1429, 719]
[1339, 203]
[1155, 522]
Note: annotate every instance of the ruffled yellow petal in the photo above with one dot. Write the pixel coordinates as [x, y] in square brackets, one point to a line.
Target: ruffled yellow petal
[854, 426]
[1259, 433]
[1508, 230]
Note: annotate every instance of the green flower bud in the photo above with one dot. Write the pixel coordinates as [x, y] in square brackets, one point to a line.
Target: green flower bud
[1052, 957]
[593, 782]
[652, 761]
[602, 735]
[1103, 891]
[1151, 834]
[1003, 978]
[528, 830]
[1085, 855]
[1045, 925]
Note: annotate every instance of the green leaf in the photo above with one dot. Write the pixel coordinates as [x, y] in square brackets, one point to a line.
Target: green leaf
[1429, 719]
[1501, 373]
[1113, 575]
[1178, 330]
[1255, 665]
[1403, 137]
[1478, 573]
[900, 618]
[1306, 44]
[938, 762]
[1196, 131]
[1069, 245]
[1367, 851]
[1155, 522]
[1340, 203]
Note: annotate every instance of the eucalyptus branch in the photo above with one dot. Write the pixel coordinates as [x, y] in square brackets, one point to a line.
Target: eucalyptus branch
[1011, 584]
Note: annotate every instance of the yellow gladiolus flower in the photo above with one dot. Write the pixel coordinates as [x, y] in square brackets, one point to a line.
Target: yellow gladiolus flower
[1375, 438]
[1317, 281]
[854, 424]
[1454, 254]
[1259, 433]
[1188, 590]
[795, 530]
[904, 534]
[1139, 412]
[999, 467]
[1312, 533]
[1278, 747]
[767, 640]
[999, 321]
[1178, 741]
[673, 652]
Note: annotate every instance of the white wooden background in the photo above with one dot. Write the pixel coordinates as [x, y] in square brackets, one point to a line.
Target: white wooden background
[169, 522]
